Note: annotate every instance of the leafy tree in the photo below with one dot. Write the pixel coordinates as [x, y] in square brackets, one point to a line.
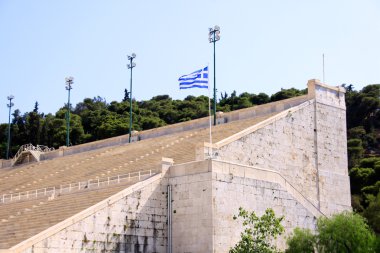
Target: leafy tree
[362, 107]
[259, 232]
[260, 99]
[35, 107]
[355, 152]
[360, 177]
[372, 213]
[287, 93]
[126, 95]
[344, 232]
[302, 241]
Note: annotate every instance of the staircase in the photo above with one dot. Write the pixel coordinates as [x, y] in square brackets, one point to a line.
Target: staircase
[22, 219]
[29, 153]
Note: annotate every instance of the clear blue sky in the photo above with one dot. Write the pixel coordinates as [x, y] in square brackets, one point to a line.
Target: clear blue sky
[264, 46]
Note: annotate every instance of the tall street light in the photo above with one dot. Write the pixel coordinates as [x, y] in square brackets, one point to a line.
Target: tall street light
[214, 36]
[69, 81]
[130, 65]
[9, 123]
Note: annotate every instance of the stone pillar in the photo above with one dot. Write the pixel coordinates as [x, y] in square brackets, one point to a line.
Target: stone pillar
[166, 164]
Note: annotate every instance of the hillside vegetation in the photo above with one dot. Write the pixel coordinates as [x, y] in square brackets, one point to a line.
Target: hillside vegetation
[95, 119]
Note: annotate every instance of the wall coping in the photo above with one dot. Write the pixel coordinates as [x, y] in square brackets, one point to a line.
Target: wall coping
[258, 126]
[316, 82]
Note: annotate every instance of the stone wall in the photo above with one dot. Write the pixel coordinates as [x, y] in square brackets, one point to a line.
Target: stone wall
[134, 221]
[306, 145]
[331, 140]
[286, 146]
[232, 190]
[192, 208]
[207, 194]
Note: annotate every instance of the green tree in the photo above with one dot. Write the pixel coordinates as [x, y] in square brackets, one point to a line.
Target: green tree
[355, 152]
[343, 232]
[287, 93]
[126, 95]
[302, 241]
[259, 232]
[360, 177]
[372, 213]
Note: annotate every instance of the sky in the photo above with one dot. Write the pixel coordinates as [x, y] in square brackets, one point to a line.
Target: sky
[264, 46]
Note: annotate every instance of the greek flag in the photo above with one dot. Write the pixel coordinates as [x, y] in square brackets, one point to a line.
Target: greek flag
[197, 79]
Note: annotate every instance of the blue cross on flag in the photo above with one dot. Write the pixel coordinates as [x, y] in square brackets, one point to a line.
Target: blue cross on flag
[197, 79]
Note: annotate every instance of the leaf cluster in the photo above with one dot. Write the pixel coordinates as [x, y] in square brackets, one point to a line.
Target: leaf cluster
[344, 232]
[259, 232]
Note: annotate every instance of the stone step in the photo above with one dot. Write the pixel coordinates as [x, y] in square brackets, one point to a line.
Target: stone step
[102, 163]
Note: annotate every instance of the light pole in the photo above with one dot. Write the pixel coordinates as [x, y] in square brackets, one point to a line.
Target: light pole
[130, 65]
[9, 123]
[69, 81]
[214, 36]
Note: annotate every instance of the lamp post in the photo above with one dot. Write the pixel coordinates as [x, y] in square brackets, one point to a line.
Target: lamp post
[9, 123]
[69, 81]
[130, 65]
[214, 36]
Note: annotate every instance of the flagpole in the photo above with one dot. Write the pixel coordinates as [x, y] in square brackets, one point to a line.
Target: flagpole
[209, 116]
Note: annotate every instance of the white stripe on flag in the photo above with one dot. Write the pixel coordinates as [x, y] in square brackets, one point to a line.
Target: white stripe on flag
[197, 79]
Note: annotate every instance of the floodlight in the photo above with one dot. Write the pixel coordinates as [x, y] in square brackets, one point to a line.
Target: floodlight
[130, 66]
[69, 79]
[10, 97]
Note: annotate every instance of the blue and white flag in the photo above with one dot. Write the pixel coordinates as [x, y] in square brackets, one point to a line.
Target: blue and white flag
[197, 79]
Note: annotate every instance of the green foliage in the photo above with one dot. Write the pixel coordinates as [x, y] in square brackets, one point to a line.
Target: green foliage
[258, 232]
[355, 151]
[372, 213]
[287, 93]
[360, 177]
[362, 107]
[302, 241]
[344, 232]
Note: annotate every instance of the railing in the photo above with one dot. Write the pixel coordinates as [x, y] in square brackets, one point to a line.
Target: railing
[30, 147]
[73, 187]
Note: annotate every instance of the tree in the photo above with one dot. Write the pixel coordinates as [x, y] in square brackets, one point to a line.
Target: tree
[287, 93]
[355, 151]
[302, 241]
[343, 232]
[126, 95]
[259, 232]
[372, 213]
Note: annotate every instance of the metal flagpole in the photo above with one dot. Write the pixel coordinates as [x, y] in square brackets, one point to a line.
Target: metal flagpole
[209, 114]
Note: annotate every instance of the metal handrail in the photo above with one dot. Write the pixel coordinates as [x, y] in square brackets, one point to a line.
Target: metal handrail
[78, 186]
[30, 147]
